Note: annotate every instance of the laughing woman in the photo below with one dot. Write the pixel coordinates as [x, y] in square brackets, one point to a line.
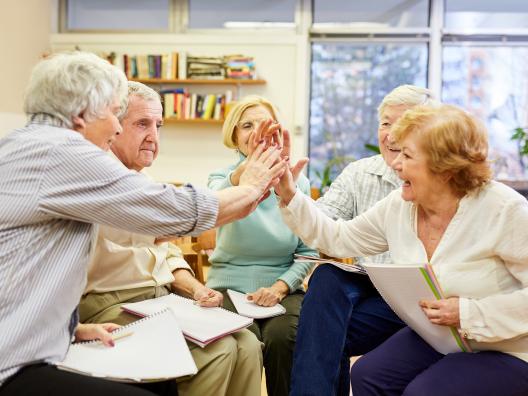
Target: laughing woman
[472, 230]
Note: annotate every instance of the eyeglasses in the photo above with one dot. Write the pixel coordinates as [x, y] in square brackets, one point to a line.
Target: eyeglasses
[249, 125]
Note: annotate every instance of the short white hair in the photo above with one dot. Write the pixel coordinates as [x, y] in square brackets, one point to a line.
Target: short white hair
[408, 95]
[143, 91]
[70, 84]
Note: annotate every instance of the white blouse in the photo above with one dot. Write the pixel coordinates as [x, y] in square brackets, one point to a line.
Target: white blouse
[482, 256]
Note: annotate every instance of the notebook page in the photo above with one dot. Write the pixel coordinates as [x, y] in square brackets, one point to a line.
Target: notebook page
[155, 350]
[200, 325]
[252, 310]
[402, 287]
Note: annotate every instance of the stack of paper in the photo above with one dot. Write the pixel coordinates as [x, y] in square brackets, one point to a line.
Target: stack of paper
[155, 351]
[299, 258]
[199, 325]
[248, 308]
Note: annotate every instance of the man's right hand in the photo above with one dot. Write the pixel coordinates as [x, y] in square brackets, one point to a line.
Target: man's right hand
[263, 169]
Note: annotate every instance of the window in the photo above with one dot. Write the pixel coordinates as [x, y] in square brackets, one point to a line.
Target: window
[116, 15]
[489, 14]
[214, 14]
[491, 83]
[348, 82]
[373, 13]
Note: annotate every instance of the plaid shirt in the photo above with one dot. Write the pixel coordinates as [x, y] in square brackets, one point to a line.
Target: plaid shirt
[361, 184]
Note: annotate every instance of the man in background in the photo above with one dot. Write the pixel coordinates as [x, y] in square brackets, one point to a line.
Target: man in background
[128, 267]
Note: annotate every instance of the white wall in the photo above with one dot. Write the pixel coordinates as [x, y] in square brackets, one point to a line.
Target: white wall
[191, 152]
[24, 36]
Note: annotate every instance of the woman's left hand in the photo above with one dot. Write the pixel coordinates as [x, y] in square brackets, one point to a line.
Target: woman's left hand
[96, 331]
[443, 312]
[269, 296]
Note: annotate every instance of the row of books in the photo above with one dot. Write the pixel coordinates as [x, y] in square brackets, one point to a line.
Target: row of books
[182, 66]
[151, 66]
[183, 105]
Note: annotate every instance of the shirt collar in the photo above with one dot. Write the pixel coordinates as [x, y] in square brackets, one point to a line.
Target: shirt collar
[380, 168]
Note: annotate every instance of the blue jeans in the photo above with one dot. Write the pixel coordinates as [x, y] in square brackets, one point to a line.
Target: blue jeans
[406, 365]
[342, 315]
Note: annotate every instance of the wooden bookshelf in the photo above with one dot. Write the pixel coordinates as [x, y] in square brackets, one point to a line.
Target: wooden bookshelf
[225, 81]
[174, 120]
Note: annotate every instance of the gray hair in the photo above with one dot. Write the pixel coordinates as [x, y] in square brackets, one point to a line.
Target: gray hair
[408, 95]
[70, 84]
[142, 91]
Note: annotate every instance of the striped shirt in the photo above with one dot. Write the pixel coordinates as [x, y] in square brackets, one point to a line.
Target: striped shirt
[54, 186]
[361, 184]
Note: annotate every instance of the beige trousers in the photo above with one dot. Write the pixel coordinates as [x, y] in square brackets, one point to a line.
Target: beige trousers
[231, 366]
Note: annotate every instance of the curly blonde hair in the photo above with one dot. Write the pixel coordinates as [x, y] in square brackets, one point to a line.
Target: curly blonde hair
[455, 143]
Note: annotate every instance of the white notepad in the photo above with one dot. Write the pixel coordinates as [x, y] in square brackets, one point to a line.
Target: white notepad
[402, 287]
[155, 351]
[199, 325]
[252, 310]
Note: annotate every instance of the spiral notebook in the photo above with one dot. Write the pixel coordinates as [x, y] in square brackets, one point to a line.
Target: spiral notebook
[402, 287]
[199, 325]
[154, 351]
[252, 310]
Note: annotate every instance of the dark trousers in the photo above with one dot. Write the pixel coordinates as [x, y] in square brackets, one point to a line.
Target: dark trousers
[47, 380]
[278, 335]
[406, 365]
[342, 316]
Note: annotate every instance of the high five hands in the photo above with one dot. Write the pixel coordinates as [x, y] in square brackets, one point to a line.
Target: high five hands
[273, 135]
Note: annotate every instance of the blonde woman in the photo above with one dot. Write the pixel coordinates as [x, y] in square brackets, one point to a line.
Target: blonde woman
[255, 255]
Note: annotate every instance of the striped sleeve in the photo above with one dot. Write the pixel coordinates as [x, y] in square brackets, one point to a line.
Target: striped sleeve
[85, 184]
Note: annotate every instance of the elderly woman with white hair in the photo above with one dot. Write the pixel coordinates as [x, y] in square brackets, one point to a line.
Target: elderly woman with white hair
[56, 182]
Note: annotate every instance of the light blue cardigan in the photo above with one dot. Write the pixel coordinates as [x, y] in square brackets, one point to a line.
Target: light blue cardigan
[258, 250]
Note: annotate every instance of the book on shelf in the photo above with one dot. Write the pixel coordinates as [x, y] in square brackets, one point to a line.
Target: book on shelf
[151, 349]
[181, 104]
[148, 66]
[402, 287]
[200, 325]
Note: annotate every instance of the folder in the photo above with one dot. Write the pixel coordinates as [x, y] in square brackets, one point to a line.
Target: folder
[152, 350]
[402, 287]
[355, 267]
[252, 310]
[199, 325]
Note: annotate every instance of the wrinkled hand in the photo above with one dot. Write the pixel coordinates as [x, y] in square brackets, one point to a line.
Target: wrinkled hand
[286, 153]
[206, 297]
[263, 169]
[269, 132]
[442, 312]
[87, 332]
[268, 296]
[286, 187]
